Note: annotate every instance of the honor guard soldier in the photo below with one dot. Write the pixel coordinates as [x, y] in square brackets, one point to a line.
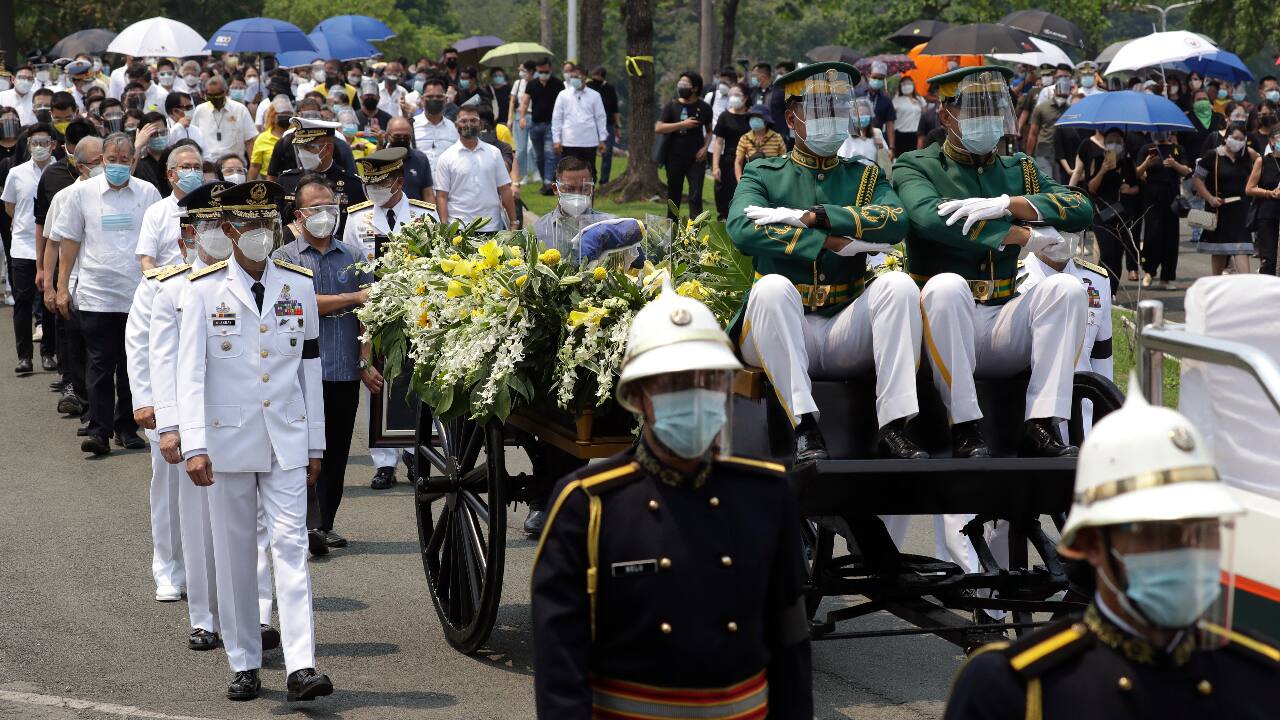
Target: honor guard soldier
[807, 220]
[313, 142]
[972, 210]
[1095, 354]
[251, 419]
[382, 175]
[1153, 519]
[668, 581]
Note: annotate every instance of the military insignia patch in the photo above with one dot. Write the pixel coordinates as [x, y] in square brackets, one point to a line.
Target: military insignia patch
[223, 315]
[286, 306]
[1095, 298]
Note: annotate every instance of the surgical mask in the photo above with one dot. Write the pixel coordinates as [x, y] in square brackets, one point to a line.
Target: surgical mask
[1222, 94]
[1059, 100]
[736, 101]
[190, 179]
[191, 80]
[42, 76]
[40, 154]
[465, 84]
[418, 84]
[876, 83]
[756, 123]
[391, 79]
[573, 204]
[824, 136]
[542, 75]
[524, 74]
[1273, 95]
[235, 178]
[354, 79]
[96, 171]
[378, 194]
[1063, 251]
[350, 129]
[322, 223]
[214, 243]
[754, 81]
[1088, 81]
[4, 84]
[23, 86]
[256, 244]
[864, 121]
[907, 88]
[1238, 96]
[687, 421]
[1117, 148]
[1240, 115]
[1172, 588]
[117, 173]
[575, 83]
[723, 88]
[157, 142]
[308, 160]
[319, 76]
[237, 94]
[166, 79]
[1235, 145]
[1174, 90]
[980, 135]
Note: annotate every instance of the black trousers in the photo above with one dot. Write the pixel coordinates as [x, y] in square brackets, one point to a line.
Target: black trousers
[679, 170]
[341, 398]
[1112, 249]
[24, 299]
[110, 402]
[71, 360]
[586, 154]
[1265, 240]
[1160, 241]
[725, 188]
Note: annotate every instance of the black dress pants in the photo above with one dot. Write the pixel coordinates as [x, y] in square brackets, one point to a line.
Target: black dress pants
[1160, 241]
[71, 359]
[1111, 251]
[725, 188]
[1267, 234]
[678, 171]
[110, 402]
[341, 398]
[24, 299]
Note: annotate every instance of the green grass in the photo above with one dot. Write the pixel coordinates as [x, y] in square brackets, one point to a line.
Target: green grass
[541, 205]
[1124, 346]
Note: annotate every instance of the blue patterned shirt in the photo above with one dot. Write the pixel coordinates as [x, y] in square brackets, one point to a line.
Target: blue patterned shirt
[333, 274]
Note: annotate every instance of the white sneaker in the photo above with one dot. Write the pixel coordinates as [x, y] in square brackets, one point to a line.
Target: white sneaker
[8, 300]
[168, 593]
[38, 334]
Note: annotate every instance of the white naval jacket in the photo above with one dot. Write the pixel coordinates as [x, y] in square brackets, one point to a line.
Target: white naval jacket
[162, 339]
[137, 332]
[249, 381]
[1096, 354]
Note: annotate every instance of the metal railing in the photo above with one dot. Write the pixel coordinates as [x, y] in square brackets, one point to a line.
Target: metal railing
[1157, 338]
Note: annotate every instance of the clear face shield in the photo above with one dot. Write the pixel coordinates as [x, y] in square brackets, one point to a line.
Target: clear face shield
[1174, 575]
[825, 111]
[690, 413]
[982, 108]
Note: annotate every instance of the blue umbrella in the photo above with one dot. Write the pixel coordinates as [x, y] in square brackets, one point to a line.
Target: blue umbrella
[1127, 110]
[1221, 64]
[263, 35]
[358, 26]
[341, 47]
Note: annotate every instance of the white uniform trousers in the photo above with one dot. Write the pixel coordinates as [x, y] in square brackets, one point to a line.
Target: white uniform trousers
[948, 542]
[167, 568]
[880, 329]
[233, 513]
[382, 457]
[264, 564]
[1042, 328]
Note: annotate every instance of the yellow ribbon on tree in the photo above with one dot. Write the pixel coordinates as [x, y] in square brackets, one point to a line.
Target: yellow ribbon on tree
[633, 64]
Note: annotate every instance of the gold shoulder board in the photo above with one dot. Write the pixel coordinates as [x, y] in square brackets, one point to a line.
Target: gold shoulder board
[1090, 266]
[172, 271]
[221, 264]
[422, 204]
[295, 268]
[359, 206]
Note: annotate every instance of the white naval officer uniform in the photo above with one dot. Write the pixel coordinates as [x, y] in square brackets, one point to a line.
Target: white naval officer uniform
[1096, 354]
[365, 222]
[249, 397]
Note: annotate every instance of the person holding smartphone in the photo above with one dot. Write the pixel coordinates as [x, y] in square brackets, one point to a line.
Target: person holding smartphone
[1103, 166]
[1160, 171]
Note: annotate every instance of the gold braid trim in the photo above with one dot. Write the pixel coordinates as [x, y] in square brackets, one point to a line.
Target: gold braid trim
[867, 187]
[1029, 177]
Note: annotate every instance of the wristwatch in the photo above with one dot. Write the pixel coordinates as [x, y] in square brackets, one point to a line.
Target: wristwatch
[363, 364]
[820, 220]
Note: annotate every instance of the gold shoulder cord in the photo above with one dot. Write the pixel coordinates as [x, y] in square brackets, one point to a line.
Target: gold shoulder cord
[595, 510]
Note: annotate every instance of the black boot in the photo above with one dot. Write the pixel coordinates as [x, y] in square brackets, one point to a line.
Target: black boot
[317, 543]
[894, 443]
[244, 686]
[810, 446]
[1040, 439]
[967, 442]
[307, 684]
[384, 478]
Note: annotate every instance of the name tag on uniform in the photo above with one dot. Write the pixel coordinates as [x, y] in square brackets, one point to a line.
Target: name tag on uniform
[222, 316]
[634, 567]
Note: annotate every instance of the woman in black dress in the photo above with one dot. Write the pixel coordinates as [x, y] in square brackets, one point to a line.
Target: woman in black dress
[1264, 189]
[1220, 180]
[1104, 167]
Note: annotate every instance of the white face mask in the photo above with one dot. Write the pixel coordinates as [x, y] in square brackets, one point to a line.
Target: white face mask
[23, 86]
[214, 243]
[1063, 251]
[256, 244]
[234, 177]
[4, 84]
[573, 204]
[166, 79]
[41, 154]
[379, 195]
[319, 76]
[736, 101]
[1235, 145]
[321, 224]
[308, 160]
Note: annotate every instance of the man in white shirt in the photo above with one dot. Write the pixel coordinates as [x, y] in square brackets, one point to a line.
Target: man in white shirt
[433, 133]
[391, 93]
[316, 82]
[226, 125]
[119, 78]
[158, 240]
[98, 231]
[578, 124]
[19, 197]
[20, 95]
[472, 181]
[178, 107]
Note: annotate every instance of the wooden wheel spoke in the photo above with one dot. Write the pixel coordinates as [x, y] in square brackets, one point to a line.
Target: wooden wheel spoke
[477, 530]
[479, 508]
[473, 563]
[438, 533]
[471, 448]
[461, 591]
[435, 458]
[475, 479]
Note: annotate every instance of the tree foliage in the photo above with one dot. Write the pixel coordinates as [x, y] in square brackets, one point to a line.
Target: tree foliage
[40, 25]
[1244, 26]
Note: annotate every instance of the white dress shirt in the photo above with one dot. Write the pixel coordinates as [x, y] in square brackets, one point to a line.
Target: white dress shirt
[160, 232]
[115, 88]
[390, 102]
[156, 95]
[472, 178]
[578, 118]
[179, 132]
[56, 203]
[106, 223]
[364, 225]
[225, 131]
[21, 103]
[433, 138]
[20, 189]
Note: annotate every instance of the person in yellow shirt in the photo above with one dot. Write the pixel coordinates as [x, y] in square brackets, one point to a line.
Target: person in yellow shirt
[276, 123]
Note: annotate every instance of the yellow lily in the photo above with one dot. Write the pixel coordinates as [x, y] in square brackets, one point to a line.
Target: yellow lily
[455, 290]
[492, 253]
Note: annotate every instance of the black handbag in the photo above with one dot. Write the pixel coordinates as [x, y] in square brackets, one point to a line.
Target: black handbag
[658, 151]
[1180, 206]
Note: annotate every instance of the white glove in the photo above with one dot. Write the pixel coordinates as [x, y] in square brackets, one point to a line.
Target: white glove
[974, 210]
[861, 246]
[774, 216]
[1043, 237]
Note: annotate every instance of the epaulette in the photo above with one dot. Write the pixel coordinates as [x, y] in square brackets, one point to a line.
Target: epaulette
[603, 479]
[207, 270]
[156, 272]
[773, 163]
[1091, 267]
[1047, 648]
[422, 204]
[1245, 645]
[762, 467]
[172, 271]
[290, 266]
[359, 206]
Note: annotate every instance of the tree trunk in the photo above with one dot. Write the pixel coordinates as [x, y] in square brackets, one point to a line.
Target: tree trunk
[544, 24]
[706, 40]
[640, 181]
[590, 34]
[728, 30]
[9, 55]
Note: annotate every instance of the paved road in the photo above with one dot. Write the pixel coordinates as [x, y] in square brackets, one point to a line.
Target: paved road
[80, 636]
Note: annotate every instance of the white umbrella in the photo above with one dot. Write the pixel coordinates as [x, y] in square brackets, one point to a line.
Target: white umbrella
[1160, 48]
[159, 37]
[1047, 54]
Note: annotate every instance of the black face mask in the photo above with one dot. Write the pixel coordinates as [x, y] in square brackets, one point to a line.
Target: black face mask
[403, 142]
[370, 104]
[9, 128]
[282, 121]
[134, 102]
[44, 116]
[451, 63]
[434, 107]
[684, 92]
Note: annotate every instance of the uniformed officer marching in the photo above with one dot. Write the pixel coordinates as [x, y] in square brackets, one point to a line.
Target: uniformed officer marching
[807, 220]
[1151, 517]
[251, 418]
[975, 320]
[667, 583]
[1096, 354]
[313, 141]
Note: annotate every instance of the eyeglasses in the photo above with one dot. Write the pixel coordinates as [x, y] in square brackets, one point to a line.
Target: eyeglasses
[39, 142]
[188, 166]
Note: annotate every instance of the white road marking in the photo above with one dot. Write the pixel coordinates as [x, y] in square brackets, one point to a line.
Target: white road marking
[55, 701]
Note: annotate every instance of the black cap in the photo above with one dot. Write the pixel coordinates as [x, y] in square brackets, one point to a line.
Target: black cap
[251, 200]
[200, 204]
[378, 166]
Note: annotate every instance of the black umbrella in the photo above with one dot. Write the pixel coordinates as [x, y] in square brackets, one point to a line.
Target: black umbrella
[93, 41]
[834, 53]
[979, 39]
[1046, 25]
[914, 33]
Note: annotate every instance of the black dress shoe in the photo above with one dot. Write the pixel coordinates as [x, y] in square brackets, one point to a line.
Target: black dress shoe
[202, 639]
[60, 384]
[96, 445]
[48, 363]
[334, 540]
[534, 522]
[546, 190]
[384, 478]
[24, 367]
[810, 446]
[270, 637]
[70, 403]
[244, 686]
[316, 542]
[307, 684]
[83, 430]
[895, 445]
[967, 442]
[130, 441]
[1040, 439]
